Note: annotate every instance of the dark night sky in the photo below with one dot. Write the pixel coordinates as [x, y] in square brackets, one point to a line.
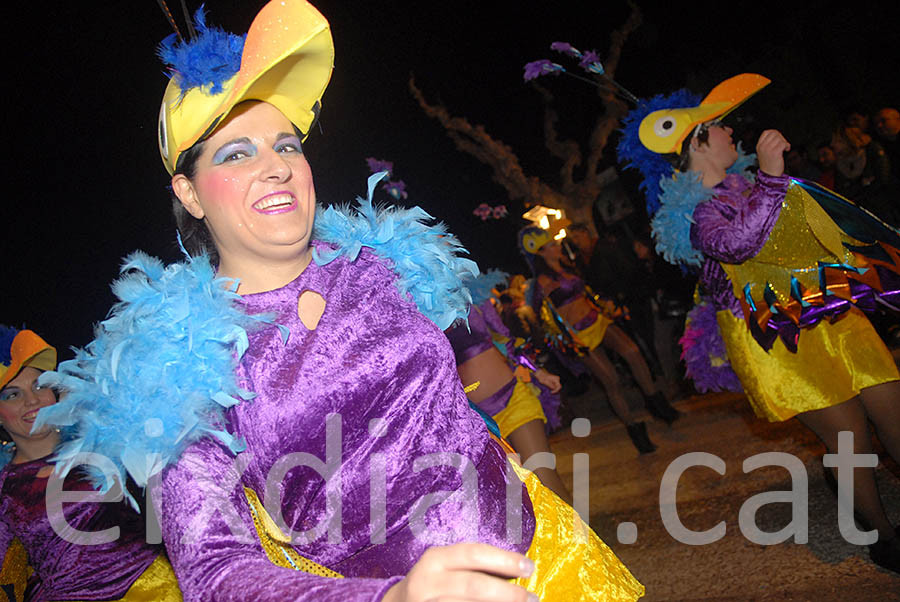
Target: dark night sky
[89, 187]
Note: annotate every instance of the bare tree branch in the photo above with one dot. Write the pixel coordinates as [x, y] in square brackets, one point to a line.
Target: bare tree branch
[494, 153]
[566, 150]
[617, 39]
[573, 195]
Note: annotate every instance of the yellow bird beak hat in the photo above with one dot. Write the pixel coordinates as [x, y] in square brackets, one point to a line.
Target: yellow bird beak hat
[21, 348]
[659, 126]
[286, 60]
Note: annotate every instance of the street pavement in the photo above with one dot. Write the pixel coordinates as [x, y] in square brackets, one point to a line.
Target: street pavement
[625, 487]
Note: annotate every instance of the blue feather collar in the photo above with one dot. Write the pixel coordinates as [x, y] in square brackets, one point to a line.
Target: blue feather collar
[679, 196]
[160, 372]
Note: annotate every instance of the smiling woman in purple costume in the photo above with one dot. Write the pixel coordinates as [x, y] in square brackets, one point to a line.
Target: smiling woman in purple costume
[64, 568]
[343, 462]
[777, 256]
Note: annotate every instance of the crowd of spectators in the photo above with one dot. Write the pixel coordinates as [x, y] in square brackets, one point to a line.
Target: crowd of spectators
[860, 161]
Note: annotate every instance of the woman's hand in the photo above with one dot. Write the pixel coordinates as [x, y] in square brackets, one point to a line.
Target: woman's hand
[464, 571]
[770, 151]
[549, 380]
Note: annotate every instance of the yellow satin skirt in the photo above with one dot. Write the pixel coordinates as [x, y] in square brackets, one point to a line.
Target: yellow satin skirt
[571, 562]
[832, 364]
[523, 407]
[592, 336]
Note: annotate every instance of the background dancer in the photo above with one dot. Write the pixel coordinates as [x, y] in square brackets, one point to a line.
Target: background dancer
[772, 260]
[64, 568]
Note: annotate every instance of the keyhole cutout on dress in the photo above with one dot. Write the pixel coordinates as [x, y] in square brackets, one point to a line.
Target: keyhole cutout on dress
[310, 307]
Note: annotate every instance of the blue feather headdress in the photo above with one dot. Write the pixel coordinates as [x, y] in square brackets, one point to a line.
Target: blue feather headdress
[208, 60]
[425, 257]
[671, 196]
[7, 335]
[634, 155]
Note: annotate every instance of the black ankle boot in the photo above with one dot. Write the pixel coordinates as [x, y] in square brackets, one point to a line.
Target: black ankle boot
[638, 433]
[659, 407]
[886, 554]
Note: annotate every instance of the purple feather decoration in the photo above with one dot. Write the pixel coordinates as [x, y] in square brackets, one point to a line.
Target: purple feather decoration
[535, 69]
[703, 352]
[209, 60]
[566, 48]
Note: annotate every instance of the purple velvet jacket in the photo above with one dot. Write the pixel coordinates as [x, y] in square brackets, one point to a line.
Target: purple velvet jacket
[67, 570]
[732, 227]
[387, 376]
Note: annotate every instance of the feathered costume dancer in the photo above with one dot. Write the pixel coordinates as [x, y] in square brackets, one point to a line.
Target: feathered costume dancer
[784, 264]
[74, 560]
[310, 463]
[523, 399]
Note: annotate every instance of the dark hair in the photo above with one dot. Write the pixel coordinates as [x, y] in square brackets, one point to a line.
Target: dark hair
[195, 235]
[4, 436]
[682, 161]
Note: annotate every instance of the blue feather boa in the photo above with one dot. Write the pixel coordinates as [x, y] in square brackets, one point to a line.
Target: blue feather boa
[425, 257]
[7, 451]
[679, 196]
[482, 286]
[158, 374]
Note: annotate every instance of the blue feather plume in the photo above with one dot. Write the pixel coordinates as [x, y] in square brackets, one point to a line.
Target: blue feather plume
[7, 334]
[482, 286]
[633, 154]
[425, 257]
[7, 451]
[158, 374]
[210, 59]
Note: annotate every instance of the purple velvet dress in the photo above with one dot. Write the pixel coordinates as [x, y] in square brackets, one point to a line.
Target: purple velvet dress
[65, 570]
[732, 227]
[386, 375]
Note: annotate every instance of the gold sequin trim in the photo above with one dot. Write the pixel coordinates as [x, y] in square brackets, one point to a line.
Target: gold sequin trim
[277, 545]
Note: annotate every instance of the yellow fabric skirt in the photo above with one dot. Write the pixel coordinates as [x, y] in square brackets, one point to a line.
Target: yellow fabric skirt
[592, 336]
[571, 562]
[523, 407]
[14, 571]
[832, 364]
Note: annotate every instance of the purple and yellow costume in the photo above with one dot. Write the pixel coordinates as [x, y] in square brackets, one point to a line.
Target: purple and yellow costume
[42, 554]
[373, 392]
[517, 402]
[769, 232]
[127, 568]
[589, 330]
[786, 265]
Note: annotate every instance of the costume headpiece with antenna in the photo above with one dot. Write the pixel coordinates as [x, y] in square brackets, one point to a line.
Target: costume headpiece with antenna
[660, 125]
[286, 60]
